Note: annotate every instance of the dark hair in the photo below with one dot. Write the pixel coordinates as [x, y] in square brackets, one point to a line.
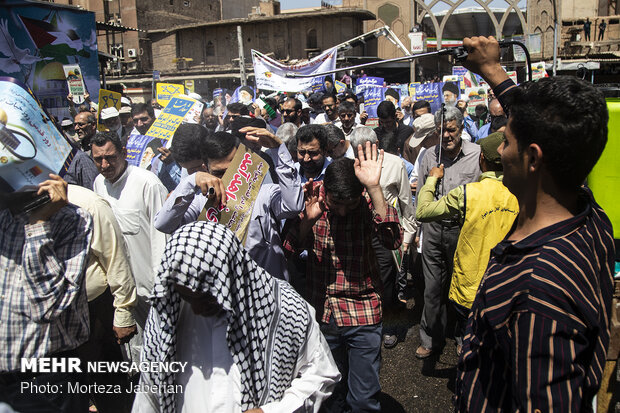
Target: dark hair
[388, 141]
[340, 180]
[349, 95]
[334, 134]
[315, 99]
[247, 89]
[544, 113]
[386, 110]
[187, 138]
[243, 121]
[345, 106]
[421, 104]
[137, 108]
[291, 145]
[101, 138]
[328, 95]
[297, 103]
[238, 107]
[450, 87]
[497, 122]
[218, 146]
[308, 133]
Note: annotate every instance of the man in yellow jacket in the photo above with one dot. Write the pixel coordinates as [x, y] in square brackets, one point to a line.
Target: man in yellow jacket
[486, 210]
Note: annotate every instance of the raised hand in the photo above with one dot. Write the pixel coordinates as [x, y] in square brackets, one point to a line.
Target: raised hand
[211, 187]
[261, 136]
[368, 165]
[483, 59]
[313, 200]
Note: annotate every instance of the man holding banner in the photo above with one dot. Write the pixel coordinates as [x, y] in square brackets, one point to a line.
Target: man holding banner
[272, 203]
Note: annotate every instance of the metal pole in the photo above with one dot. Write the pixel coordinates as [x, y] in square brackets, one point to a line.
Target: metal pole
[244, 80]
[555, 38]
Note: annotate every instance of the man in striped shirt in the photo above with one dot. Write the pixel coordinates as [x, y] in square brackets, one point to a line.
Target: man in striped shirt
[538, 332]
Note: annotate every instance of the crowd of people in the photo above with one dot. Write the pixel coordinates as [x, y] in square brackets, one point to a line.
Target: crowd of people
[490, 212]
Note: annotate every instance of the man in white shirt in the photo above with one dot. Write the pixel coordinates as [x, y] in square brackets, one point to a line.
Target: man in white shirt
[135, 196]
[226, 321]
[330, 114]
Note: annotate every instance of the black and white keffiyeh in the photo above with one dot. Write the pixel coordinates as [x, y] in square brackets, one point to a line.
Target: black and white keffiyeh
[268, 321]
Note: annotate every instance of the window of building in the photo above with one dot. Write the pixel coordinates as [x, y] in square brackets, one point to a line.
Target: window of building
[311, 42]
[210, 48]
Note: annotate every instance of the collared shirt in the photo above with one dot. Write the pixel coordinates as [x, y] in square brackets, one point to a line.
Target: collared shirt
[463, 169]
[537, 335]
[82, 170]
[397, 192]
[43, 305]
[322, 119]
[274, 202]
[342, 273]
[168, 173]
[108, 262]
[135, 198]
[483, 132]
[317, 178]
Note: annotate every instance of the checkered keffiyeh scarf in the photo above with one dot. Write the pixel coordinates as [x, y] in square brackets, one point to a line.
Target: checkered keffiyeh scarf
[268, 321]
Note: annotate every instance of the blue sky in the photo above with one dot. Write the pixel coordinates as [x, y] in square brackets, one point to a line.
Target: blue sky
[295, 4]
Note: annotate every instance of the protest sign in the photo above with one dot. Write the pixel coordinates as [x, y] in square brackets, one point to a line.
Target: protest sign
[373, 95]
[476, 96]
[170, 118]
[430, 92]
[31, 147]
[243, 180]
[75, 82]
[271, 74]
[340, 86]
[411, 89]
[538, 71]
[141, 149]
[189, 86]
[107, 99]
[370, 81]
[166, 91]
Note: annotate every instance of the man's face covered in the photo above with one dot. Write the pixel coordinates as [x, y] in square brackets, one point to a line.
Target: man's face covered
[311, 157]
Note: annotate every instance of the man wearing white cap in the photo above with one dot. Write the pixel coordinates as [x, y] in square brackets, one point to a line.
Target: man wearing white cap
[112, 121]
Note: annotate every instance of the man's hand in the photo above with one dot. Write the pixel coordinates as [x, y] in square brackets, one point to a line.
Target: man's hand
[414, 186]
[86, 96]
[483, 59]
[405, 247]
[220, 119]
[437, 172]
[211, 187]
[166, 155]
[313, 200]
[70, 99]
[363, 117]
[124, 334]
[261, 136]
[368, 165]
[56, 188]
[399, 115]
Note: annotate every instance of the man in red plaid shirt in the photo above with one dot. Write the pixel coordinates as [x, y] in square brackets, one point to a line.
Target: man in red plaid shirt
[341, 215]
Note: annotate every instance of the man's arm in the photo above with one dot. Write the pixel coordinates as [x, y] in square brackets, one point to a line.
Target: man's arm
[299, 231]
[447, 206]
[108, 246]
[289, 200]
[181, 207]
[54, 255]
[407, 212]
[316, 377]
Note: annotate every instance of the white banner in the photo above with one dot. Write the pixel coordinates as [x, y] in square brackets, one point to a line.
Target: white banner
[271, 74]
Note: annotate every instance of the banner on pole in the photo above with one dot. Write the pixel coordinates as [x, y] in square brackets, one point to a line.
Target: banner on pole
[271, 74]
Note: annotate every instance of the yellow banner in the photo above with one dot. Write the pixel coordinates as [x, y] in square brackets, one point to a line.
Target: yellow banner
[243, 180]
[170, 118]
[166, 91]
[107, 99]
